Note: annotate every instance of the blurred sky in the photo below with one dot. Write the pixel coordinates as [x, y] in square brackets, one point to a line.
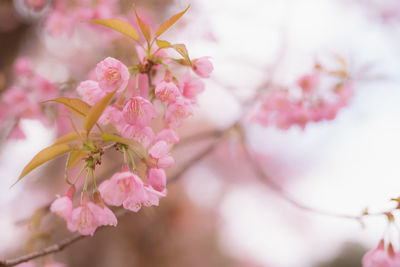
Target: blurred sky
[343, 165]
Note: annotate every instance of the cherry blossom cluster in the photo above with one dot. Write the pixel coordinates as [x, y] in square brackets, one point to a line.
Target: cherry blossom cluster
[22, 100]
[149, 104]
[317, 96]
[65, 15]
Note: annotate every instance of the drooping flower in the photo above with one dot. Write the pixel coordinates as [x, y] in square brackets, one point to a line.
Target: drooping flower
[203, 67]
[139, 111]
[158, 155]
[191, 87]
[167, 135]
[377, 257]
[104, 215]
[167, 91]
[116, 190]
[112, 74]
[63, 205]
[113, 116]
[90, 91]
[144, 135]
[157, 179]
[177, 112]
[143, 195]
[88, 216]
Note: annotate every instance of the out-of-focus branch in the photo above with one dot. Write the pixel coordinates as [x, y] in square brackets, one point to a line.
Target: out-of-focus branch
[256, 167]
[199, 137]
[120, 213]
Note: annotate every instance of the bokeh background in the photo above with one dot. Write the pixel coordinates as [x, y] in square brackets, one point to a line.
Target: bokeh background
[219, 213]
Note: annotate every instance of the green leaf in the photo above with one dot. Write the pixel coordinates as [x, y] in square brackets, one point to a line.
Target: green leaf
[143, 28]
[43, 156]
[96, 111]
[119, 26]
[171, 21]
[75, 105]
[163, 44]
[75, 157]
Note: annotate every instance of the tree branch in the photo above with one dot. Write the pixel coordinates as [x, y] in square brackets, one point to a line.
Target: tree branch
[256, 167]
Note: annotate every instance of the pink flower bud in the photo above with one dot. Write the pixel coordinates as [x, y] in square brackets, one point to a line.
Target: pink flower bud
[203, 67]
[63, 205]
[157, 179]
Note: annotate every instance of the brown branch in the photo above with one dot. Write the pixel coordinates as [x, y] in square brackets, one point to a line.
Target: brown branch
[199, 137]
[76, 237]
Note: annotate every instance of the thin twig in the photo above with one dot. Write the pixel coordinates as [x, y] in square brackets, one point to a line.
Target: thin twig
[256, 167]
[198, 137]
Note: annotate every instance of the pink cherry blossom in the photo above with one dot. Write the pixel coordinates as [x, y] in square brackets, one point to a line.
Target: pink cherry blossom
[43, 88]
[158, 155]
[116, 190]
[191, 87]
[143, 195]
[104, 215]
[88, 216]
[153, 196]
[139, 111]
[36, 4]
[90, 91]
[345, 93]
[112, 74]
[23, 66]
[113, 116]
[58, 23]
[167, 135]
[83, 219]
[178, 111]
[167, 91]
[157, 179]
[17, 100]
[377, 257]
[308, 82]
[144, 135]
[203, 67]
[63, 205]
